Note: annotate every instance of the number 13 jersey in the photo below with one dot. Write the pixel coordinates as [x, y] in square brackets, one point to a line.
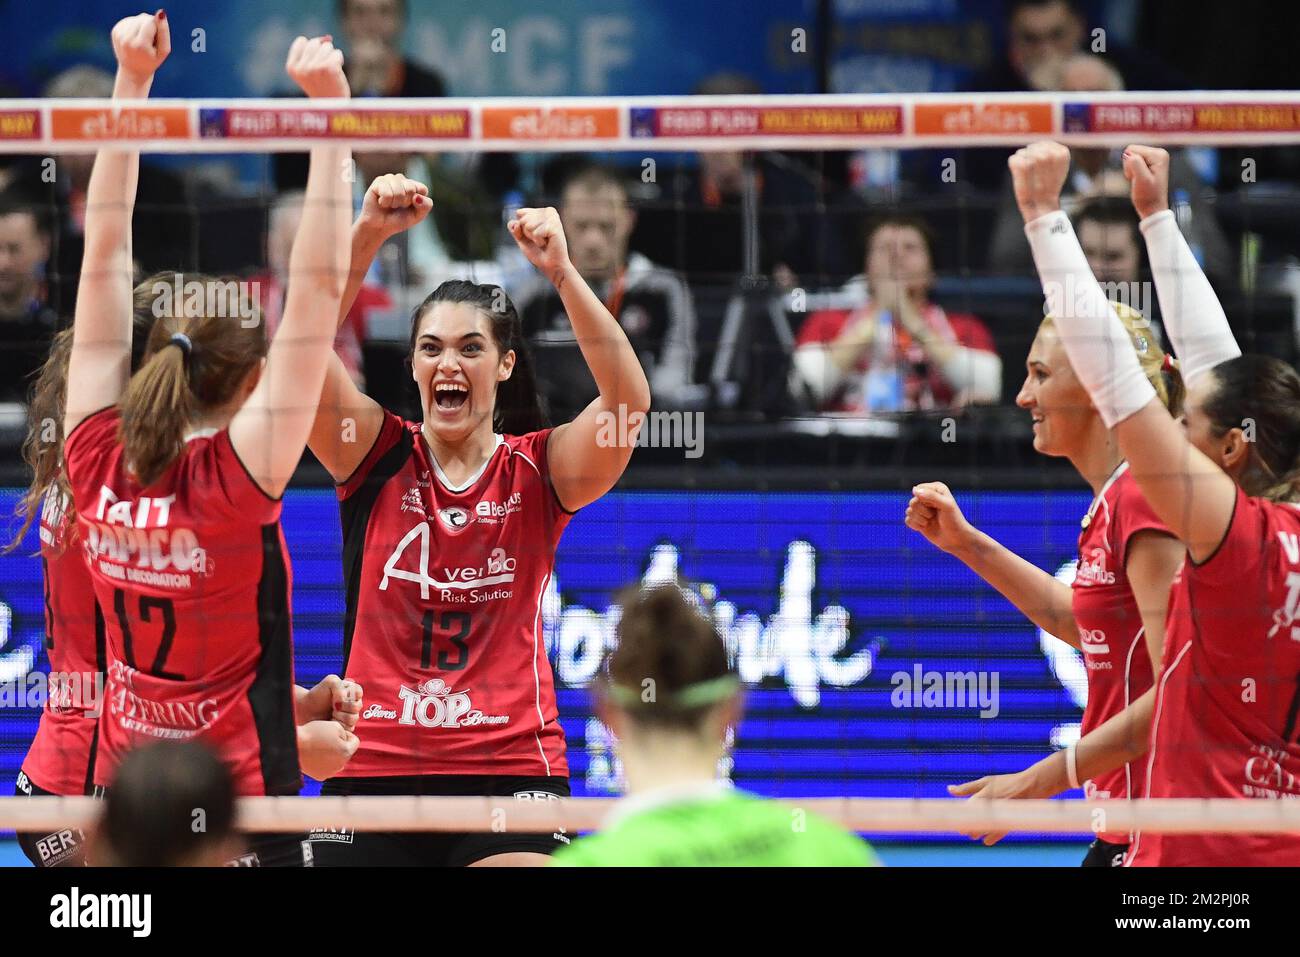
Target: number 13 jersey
[444, 591]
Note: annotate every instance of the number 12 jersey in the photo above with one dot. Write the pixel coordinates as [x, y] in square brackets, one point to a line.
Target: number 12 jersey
[193, 579]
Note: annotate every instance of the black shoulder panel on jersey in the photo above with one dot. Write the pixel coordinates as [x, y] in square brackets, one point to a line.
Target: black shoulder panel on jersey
[101, 666]
[271, 694]
[354, 513]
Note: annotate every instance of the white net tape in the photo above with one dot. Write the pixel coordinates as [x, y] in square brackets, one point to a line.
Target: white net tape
[648, 124]
[872, 815]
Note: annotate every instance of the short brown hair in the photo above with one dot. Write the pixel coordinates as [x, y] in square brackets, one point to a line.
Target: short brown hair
[593, 177]
[667, 649]
[903, 221]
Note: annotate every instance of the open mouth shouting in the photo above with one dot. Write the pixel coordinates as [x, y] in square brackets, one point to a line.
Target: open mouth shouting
[450, 397]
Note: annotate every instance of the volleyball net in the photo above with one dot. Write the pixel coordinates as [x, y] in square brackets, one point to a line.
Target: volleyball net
[883, 816]
[877, 670]
[748, 122]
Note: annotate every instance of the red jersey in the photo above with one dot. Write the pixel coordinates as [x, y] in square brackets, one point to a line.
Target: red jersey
[61, 758]
[194, 581]
[443, 627]
[1111, 634]
[1225, 719]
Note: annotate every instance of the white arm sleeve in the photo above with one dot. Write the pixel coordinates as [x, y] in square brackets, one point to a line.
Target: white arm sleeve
[1097, 343]
[1193, 317]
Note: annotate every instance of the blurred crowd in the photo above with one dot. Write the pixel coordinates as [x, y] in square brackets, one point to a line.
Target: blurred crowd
[755, 285]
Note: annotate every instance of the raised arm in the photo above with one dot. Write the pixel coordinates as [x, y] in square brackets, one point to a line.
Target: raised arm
[100, 363]
[1042, 598]
[270, 431]
[584, 463]
[1192, 495]
[1193, 316]
[347, 420]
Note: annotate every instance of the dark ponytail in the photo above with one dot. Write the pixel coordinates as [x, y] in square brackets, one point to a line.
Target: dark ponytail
[518, 409]
[1263, 391]
[198, 354]
[670, 668]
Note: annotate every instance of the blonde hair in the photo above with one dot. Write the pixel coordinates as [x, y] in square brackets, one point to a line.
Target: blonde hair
[1161, 370]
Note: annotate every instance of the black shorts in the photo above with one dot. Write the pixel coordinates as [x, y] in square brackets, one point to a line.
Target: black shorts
[1105, 854]
[65, 847]
[276, 850]
[347, 848]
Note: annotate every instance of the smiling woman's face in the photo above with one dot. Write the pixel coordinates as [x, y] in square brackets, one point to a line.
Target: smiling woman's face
[456, 367]
[1057, 402]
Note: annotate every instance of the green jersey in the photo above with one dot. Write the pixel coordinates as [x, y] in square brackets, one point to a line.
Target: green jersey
[717, 828]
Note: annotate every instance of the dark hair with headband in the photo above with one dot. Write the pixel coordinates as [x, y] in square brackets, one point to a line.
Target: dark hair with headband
[670, 669]
[518, 408]
[206, 338]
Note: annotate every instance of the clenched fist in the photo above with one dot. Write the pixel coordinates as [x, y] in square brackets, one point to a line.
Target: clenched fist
[1038, 174]
[934, 513]
[394, 203]
[541, 237]
[325, 748]
[1147, 170]
[317, 67]
[141, 43]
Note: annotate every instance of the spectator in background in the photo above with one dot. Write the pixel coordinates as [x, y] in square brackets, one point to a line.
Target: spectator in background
[1108, 232]
[899, 352]
[170, 805]
[168, 243]
[1097, 172]
[27, 323]
[1039, 31]
[651, 303]
[282, 226]
[465, 188]
[699, 221]
[372, 31]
